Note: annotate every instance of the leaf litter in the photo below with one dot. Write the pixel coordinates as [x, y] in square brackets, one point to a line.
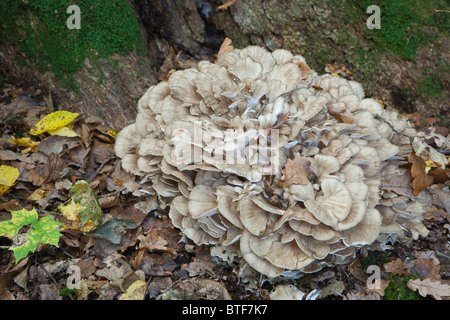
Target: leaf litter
[123, 253]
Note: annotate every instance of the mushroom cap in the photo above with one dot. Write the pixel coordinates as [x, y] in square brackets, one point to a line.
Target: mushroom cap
[217, 143]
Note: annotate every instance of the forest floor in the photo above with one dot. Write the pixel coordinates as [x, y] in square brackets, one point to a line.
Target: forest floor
[143, 256]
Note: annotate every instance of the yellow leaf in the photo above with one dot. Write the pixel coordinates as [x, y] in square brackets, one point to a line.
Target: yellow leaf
[71, 210]
[429, 164]
[37, 194]
[136, 291]
[3, 189]
[53, 121]
[8, 175]
[64, 132]
[118, 182]
[112, 133]
[71, 213]
[226, 5]
[25, 142]
[380, 102]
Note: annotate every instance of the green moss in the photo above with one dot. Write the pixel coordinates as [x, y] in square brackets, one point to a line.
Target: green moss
[398, 289]
[67, 293]
[39, 28]
[443, 121]
[378, 258]
[431, 86]
[406, 25]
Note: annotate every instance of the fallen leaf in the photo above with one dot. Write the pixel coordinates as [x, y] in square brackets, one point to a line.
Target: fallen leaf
[71, 213]
[396, 266]
[341, 114]
[197, 288]
[64, 132]
[426, 268]
[112, 133]
[380, 290]
[440, 196]
[226, 5]
[25, 142]
[362, 295]
[225, 47]
[112, 230]
[333, 287]
[296, 171]
[400, 184]
[339, 68]
[439, 174]
[53, 121]
[304, 70]
[430, 287]
[37, 194]
[435, 214]
[6, 295]
[153, 242]
[286, 292]
[136, 291]
[8, 175]
[420, 179]
[82, 194]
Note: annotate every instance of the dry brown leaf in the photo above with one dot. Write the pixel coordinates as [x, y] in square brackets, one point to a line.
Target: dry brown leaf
[108, 201]
[430, 287]
[362, 295]
[400, 184]
[421, 180]
[435, 214]
[419, 120]
[383, 285]
[342, 115]
[12, 205]
[37, 194]
[225, 47]
[441, 175]
[396, 267]
[339, 68]
[153, 242]
[304, 69]
[296, 171]
[226, 5]
[426, 268]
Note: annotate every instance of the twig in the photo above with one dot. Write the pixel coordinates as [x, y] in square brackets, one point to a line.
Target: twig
[445, 11]
[51, 277]
[442, 255]
[96, 173]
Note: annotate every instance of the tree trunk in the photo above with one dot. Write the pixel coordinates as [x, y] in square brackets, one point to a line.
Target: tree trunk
[176, 33]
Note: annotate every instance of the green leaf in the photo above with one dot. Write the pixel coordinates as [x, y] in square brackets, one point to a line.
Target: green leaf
[10, 228]
[22, 250]
[43, 231]
[82, 194]
[46, 231]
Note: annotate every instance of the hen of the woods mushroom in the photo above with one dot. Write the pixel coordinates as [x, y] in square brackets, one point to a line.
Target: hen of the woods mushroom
[274, 166]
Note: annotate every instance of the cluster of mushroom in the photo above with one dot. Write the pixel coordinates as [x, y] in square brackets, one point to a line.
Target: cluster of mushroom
[250, 211]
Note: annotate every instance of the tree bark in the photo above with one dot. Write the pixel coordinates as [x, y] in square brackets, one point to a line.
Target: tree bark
[178, 32]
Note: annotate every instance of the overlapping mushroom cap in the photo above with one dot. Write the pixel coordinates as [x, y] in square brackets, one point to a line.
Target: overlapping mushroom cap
[271, 164]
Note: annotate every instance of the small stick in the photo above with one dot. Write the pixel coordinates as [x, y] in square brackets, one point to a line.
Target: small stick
[96, 173]
[442, 255]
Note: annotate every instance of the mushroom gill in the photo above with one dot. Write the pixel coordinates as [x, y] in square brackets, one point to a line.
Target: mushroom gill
[216, 146]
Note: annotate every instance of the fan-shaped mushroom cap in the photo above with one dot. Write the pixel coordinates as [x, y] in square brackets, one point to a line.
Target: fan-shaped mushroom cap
[261, 208]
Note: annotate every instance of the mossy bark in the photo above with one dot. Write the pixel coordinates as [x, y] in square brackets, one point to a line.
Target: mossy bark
[405, 77]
